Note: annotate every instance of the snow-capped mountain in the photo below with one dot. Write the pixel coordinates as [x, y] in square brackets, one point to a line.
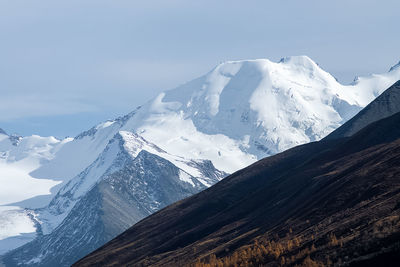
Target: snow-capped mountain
[18, 157]
[130, 180]
[237, 113]
[120, 151]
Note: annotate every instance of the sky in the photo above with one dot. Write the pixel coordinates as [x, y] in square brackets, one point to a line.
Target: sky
[67, 65]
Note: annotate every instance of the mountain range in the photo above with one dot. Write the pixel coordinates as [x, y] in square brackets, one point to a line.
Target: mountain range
[179, 143]
[335, 202]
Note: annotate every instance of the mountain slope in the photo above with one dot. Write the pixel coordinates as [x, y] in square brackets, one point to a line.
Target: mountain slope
[336, 201]
[124, 147]
[385, 105]
[18, 157]
[131, 180]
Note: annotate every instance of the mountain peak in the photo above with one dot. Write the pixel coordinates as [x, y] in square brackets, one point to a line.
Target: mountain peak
[395, 67]
[298, 60]
[301, 60]
[260, 107]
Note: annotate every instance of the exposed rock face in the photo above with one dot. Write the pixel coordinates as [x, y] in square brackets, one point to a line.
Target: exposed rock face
[142, 186]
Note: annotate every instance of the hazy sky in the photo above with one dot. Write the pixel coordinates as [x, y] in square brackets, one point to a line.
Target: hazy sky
[67, 65]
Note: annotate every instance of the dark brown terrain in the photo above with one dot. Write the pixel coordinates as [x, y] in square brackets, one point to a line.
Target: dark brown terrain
[333, 202]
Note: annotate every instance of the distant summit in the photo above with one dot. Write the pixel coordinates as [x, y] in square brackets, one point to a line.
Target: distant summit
[2, 131]
[395, 67]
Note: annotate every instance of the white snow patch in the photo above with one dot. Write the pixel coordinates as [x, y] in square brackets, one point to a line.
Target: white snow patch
[216, 81]
[180, 137]
[17, 184]
[14, 221]
[105, 124]
[184, 176]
